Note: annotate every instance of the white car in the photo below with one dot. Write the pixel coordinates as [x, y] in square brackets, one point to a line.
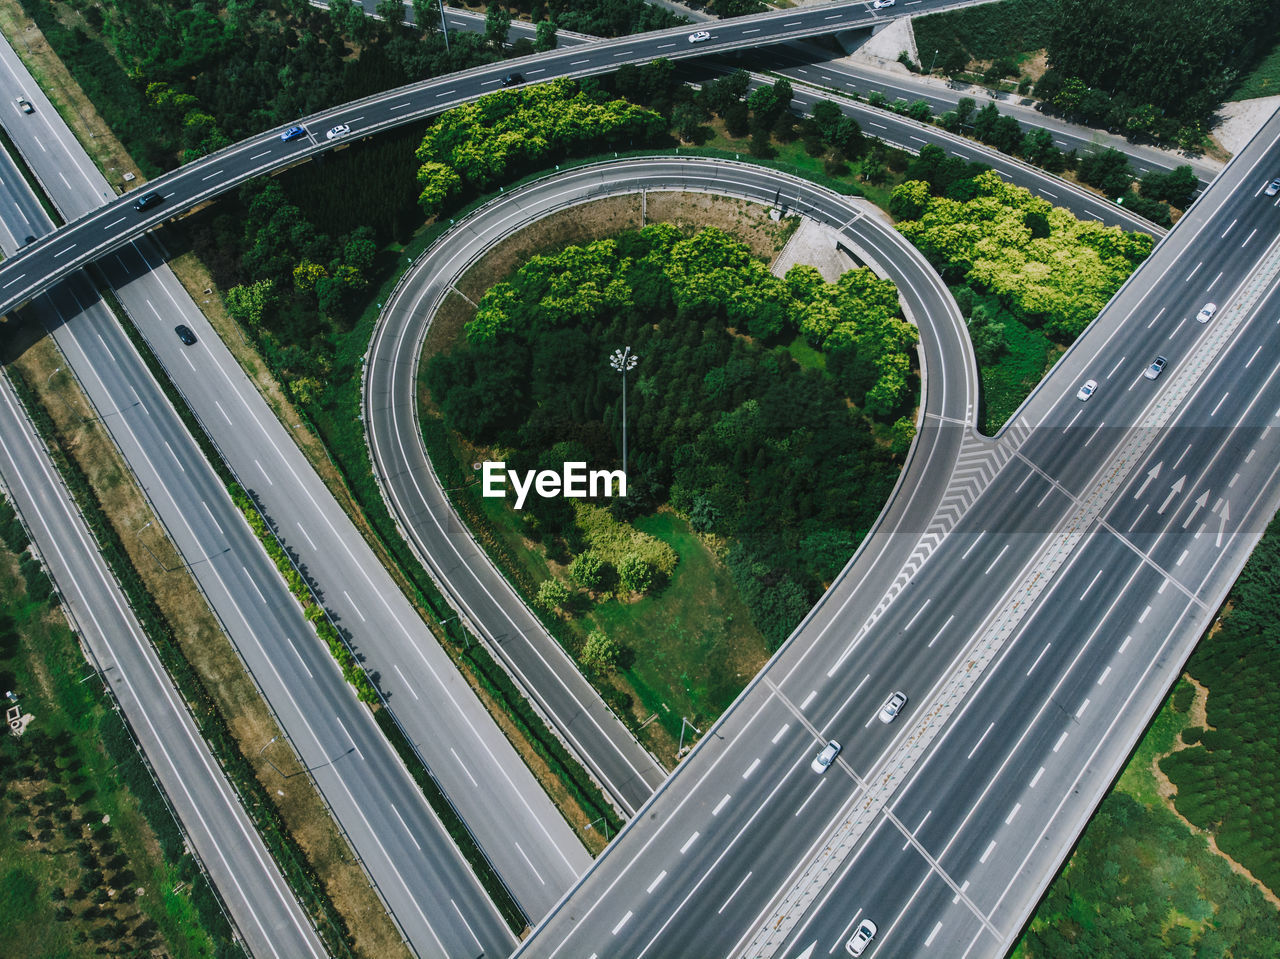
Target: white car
[822, 762]
[1156, 368]
[1273, 187]
[861, 938]
[881, 4]
[699, 36]
[341, 130]
[1206, 313]
[892, 706]
[1086, 391]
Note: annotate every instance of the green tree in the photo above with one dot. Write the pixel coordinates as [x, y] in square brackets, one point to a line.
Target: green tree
[635, 575]
[589, 570]
[545, 36]
[601, 652]
[552, 594]
[497, 24]
[247, 302]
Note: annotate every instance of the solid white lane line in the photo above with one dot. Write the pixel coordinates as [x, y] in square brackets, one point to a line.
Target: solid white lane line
[732, 894]
[259, 156]
[720, 805]
[1012, 812]
[1116, 367]
[253, 584]
[1156, 317]
[689, 842]
[1175, 330]
[1248, 238]
[912, 620]
[915, 831]
[264, 472]
[1220, 402]
[299, 655]
[997, 559]
[780, 733]
[218, 527]
[224, 413]
[1194, 271]
[1214, 283]
[468, 925]
[406, 827]
[1095, 432]
[537, 875]
[979, 742]
[1038, 658]
[354, 606]
[752, 768]
[1091, 582]
[1036, 778]
[464, 768]
[406, 682]
[1134, 524]
[309, 540]
[1228, 229]
[940, 631]
[175, 456]
[812, 793]
[978, 539]
[1252, 358]
[1047, 493]
[654, 885]
[350, 738]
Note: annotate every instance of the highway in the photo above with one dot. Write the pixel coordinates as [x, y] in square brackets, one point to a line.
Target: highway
[429, 890]
[96, 232]
[478, 590]
[1035, 642]
[260, 903]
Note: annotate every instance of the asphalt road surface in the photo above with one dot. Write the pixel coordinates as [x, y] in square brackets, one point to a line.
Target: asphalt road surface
[1034, 643]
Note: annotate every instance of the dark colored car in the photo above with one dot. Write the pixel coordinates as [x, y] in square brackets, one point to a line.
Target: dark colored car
[147, 201]
[513, 79]
[293, 133]
[185, 334]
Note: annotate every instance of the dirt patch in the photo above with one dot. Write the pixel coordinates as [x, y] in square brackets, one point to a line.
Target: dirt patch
[578, 224]
[1036, 65]
[748, 222]
[210, 653]
[1197, 717]
[67, 97]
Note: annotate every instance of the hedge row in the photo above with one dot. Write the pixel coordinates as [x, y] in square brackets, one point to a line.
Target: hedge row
[315, 614]
[256, 799]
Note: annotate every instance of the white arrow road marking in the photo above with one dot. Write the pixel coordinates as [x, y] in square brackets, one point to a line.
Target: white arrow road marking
[1152, 473]
[1173, 491]
[1201, 502]
[1222, 523]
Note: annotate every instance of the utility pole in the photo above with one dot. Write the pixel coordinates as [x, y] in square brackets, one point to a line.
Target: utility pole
[622, 361]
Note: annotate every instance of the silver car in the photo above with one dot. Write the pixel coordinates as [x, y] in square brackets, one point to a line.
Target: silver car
[699, 36]
[1206, 313]
[892, 706]
[1156, 368]
[1086, 391]
[861, 938]
[822, 762]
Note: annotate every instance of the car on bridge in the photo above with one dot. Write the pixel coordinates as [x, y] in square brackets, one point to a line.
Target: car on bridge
[1206, 313]
[293, 133]
[892, 706]
[1156, 368]
[699, 36]
[1086, 391]
[861, 938]
[1272, 188]
[822, 762]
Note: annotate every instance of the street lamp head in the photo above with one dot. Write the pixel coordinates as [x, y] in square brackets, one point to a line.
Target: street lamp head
[623, 360]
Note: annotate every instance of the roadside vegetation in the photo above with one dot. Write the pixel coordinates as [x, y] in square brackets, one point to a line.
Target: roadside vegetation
[778, 471]
[232, 717]
[1151, 72]
[1181, 858]
[91, 858]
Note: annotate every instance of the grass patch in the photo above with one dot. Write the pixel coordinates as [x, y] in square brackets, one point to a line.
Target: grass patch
[694, 645]
[234, 720]
[806, 355]
[90, 855]
[1008, 380]
[988, 32]
[1262, 81]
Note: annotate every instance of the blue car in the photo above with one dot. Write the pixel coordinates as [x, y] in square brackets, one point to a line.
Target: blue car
[293, 133]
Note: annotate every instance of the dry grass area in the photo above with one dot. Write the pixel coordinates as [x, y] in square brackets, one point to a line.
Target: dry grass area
[65, 94]
[209, 650]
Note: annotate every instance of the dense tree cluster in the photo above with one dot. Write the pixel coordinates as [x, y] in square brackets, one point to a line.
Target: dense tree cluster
[1229, 781]
[725, 427]
[603, 18]
[1156, 70]
[213, 72]
[1141, 885]
[477, 145]
[1043, 263]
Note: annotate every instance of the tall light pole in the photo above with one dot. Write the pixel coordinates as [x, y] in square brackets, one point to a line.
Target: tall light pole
[622, 361]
